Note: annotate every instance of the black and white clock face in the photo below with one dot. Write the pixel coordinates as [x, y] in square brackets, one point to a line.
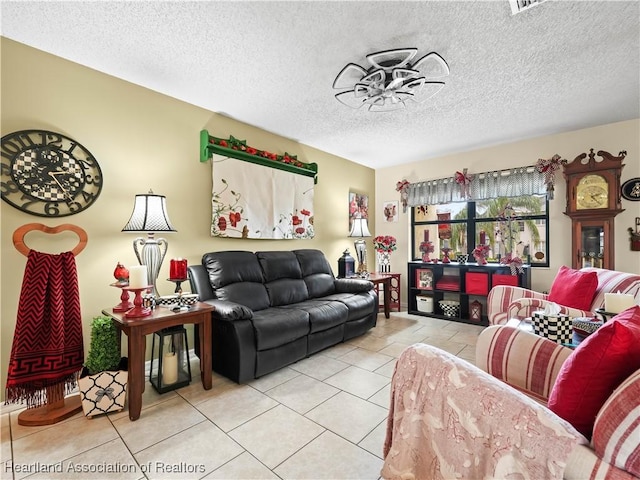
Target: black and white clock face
[48, 174]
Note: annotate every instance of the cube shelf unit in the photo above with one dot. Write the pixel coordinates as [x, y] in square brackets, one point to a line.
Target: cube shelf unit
[462, 282]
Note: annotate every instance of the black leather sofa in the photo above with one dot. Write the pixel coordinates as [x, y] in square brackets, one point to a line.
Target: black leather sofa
[275, 308]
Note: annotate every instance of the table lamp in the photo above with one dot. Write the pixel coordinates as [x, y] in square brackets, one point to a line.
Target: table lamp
[360, 229]
[150, 216]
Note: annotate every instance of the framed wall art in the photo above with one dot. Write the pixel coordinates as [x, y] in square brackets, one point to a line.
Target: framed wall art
[424, 278]
[390, 211]
[358, 207]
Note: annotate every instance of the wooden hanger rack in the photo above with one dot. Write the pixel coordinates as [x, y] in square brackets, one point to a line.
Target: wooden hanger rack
[57, 407]
[19, 234]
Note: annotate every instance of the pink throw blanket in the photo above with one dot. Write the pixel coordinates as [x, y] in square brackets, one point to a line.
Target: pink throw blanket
[449, 419]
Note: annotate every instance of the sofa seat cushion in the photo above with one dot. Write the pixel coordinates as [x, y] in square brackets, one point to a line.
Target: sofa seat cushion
[359, 304]
[278, 326]
[323, 314]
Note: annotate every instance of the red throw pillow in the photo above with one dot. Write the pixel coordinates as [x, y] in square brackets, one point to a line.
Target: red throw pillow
[595, 369]
[573, 288]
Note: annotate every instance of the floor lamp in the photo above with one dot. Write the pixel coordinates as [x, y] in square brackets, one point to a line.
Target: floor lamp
[150, 216]
[360, 229]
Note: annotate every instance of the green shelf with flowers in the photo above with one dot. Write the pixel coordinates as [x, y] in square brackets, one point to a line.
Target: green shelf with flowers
[233, 148]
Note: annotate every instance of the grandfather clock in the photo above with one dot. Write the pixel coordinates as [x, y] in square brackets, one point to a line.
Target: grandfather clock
[593, 201]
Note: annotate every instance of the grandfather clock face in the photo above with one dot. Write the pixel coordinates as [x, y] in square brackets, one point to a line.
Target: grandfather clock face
[592, 192]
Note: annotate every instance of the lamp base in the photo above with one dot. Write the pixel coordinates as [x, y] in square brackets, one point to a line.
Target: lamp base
[361, 255]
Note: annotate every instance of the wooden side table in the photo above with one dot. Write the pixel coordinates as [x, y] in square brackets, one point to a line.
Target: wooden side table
[383, 279]
[394, 302]
[136, 328]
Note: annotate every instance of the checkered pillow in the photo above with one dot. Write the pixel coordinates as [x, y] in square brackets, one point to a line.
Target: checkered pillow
[617, 427]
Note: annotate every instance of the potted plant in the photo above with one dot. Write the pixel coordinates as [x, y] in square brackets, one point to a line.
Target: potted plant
[103, 381]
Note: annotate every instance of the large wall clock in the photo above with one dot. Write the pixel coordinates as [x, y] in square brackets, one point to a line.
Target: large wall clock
[48, 174]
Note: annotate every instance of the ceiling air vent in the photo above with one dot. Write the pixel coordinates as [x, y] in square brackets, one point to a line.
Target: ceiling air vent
[518, 6]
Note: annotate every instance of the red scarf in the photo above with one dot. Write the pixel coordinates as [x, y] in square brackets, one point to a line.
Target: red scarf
[47, 351]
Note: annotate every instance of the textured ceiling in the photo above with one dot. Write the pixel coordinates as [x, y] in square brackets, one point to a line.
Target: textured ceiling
[560, 66]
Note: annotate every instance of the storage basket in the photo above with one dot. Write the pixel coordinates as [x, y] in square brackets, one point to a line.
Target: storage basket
[450, 308]
[424, 303]
[557, 328]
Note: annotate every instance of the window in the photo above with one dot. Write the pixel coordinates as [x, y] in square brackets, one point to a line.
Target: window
[516, 224]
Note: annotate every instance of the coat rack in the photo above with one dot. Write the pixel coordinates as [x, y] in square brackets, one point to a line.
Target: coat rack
[57, 407]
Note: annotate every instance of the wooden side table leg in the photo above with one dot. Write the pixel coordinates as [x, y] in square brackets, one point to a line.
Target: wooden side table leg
[136, 343]
[387, 297]
[205, 352]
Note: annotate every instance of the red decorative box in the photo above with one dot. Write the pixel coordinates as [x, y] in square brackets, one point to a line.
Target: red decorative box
[477, 283]
[504, 279]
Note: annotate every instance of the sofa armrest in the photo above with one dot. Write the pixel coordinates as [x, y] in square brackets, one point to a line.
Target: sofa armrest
[524, 307]
[225, 310]
[199, 281]
[352, 285]
[525, 361]
[502, 296]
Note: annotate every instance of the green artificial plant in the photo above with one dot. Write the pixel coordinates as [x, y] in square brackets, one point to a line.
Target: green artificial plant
[104, 351]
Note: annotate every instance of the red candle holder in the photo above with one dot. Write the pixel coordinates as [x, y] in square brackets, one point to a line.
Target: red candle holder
[178, 269]
[124, 304]
[138, 310]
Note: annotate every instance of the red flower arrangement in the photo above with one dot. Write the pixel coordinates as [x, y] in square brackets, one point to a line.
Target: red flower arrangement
[384, 243]
[241, 145]
[480, 254]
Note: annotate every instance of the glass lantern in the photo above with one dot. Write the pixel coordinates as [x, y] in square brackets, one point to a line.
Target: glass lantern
[170, 366]
[475, 311]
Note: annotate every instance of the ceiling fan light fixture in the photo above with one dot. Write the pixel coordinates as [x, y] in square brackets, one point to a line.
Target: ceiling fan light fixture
[391, 80]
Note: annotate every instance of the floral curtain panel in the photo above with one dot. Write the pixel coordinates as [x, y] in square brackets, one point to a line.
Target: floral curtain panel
[254, 201]
[513, 182]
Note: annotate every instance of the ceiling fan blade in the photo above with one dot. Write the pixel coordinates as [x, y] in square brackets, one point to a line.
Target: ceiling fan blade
[348, 98]
[432, 65]
[389, 59]
[404, 73]
[428, 90]
[349, 75]
[377, 76]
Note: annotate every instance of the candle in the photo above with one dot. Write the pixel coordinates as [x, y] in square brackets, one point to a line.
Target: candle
[483, 237]
[446, 243]
[170, 368]
[617, 302]
[138, 277]
[426, 235]
[178, 268]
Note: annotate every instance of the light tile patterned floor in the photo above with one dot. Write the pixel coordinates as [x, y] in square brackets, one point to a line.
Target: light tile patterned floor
[321, 418]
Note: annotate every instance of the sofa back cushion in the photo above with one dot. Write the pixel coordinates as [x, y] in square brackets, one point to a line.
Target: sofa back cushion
[574, 288]
[611, 281]
[283, 278]
[316, 272]
[236, 276]
[616, 434]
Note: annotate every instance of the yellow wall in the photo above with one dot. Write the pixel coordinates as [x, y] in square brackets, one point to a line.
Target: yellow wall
[143, 140]
[611, 138]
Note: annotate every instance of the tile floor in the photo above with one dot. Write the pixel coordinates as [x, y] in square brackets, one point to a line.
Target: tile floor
[321, 418]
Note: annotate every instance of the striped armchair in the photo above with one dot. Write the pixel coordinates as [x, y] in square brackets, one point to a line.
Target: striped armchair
[505, 302]
[530, 364]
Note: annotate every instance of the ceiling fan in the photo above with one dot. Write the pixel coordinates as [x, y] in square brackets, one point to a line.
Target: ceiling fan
[391, 80]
